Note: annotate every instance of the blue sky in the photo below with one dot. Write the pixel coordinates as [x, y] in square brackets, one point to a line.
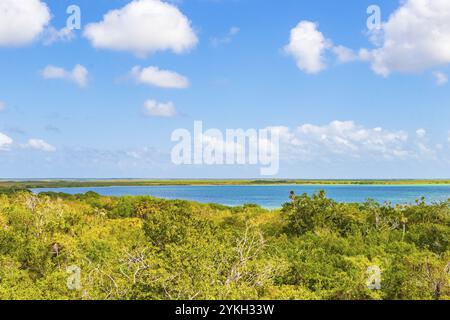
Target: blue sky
[381, 113]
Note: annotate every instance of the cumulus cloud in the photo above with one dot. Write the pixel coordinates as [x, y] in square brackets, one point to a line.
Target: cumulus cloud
[53, 35]
[219, 41]
[342, 139]
[143, 27]
[39, 144]
[154, 108]
[5, 142]
[421, 133]
[308, 46]
[337, 141]
[78, 75]
[415, 38]
[440, 77]
[344, 54]
[21, 22]
[425, 152]
[153, 76]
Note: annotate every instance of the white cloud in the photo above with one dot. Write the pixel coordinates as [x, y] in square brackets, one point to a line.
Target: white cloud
[421, 133]
[53, 35]
[5, 142]
[78, 75]
[440, 77]
[143, 27]
[344, 54]
[342, 139]
[425, 151]
[339, 141]
[415, 38]
[219, 41]
[308, 45]
[41, 145]
[22, 21]
[153, 108]
[153, 76]
[2, 106]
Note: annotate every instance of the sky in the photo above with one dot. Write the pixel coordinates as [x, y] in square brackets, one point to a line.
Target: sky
[351, 96]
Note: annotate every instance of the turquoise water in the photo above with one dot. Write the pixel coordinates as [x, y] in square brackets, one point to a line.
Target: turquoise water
[275, 195]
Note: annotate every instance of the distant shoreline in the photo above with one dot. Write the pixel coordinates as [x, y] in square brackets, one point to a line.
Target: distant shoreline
[62, 183]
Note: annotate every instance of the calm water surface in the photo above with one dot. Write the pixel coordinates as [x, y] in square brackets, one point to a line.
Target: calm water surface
[275, 195]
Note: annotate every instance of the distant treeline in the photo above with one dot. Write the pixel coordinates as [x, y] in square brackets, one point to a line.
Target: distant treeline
[8, 185]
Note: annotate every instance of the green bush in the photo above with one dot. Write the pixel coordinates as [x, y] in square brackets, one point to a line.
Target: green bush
[148, 248]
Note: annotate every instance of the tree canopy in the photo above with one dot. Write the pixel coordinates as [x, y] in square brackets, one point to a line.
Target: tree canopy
[59, 246]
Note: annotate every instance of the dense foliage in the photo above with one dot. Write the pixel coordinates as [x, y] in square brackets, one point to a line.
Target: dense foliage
[147, 248]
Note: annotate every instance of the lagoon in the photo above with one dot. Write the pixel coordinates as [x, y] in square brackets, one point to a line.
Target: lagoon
[272, 196]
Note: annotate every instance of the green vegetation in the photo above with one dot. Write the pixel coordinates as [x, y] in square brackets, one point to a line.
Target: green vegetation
[148, 248]
[23, 185]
